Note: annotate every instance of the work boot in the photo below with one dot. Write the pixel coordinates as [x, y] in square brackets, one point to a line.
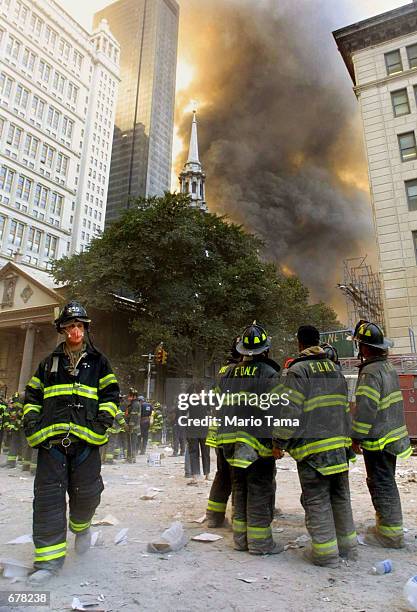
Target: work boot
[275, 550]
[349, 554]
[40, 576]
[331, 563]
[82, 542]
[374, 538]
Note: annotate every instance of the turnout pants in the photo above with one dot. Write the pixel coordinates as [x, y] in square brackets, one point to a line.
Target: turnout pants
[197, 446]
[253, 506]
[220, 490]
[145, 423]
[178, 439]
[132, 440]
[75, 470]
[14, 448]
[380, 471]
[328, 513]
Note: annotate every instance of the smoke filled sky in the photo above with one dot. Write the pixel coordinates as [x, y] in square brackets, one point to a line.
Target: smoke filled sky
[279, 128]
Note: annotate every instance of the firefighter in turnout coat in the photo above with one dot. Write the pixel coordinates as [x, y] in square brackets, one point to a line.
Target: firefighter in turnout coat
[379, 431]
[70, 403]
[318, 398]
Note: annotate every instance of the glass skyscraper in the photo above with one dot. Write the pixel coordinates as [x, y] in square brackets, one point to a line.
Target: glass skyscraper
[147, 31]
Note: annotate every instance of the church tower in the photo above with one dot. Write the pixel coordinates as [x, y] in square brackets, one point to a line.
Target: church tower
[192, 178]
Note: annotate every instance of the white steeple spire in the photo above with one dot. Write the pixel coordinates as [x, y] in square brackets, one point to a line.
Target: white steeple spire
[193, 156]
[192, 178]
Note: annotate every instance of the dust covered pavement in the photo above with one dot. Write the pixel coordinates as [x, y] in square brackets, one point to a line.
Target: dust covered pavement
[208, 576]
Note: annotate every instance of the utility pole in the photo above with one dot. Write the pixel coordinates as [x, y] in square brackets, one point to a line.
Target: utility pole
[150, 357]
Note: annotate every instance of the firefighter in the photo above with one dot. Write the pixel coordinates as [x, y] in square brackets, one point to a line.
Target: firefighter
[13, 425]
[379, 431]
[3, 412]
[132, 425]
[112, 451]
[70, 403]
[146, 412]
[249, 448]
[318, 397]
[222, 484]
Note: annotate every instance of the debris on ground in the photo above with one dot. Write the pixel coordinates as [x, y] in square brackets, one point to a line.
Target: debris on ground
[23, 539]
[121, 537]
[171, 540]
[14, 569]
[207, 537]
[109, 519]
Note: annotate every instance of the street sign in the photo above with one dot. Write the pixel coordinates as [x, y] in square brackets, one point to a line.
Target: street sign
[338, 339]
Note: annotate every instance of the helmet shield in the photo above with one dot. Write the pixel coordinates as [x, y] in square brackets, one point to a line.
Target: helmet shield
[372, 335]
[254, 341]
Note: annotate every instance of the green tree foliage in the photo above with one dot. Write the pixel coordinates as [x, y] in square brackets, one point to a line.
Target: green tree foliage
[198, 281]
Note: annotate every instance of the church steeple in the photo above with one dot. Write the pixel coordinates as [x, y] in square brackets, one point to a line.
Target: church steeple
[192, 178]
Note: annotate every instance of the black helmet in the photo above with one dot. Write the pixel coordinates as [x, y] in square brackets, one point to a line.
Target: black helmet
[254, 340]
[73, 311]
[331, 352]
[372, 335]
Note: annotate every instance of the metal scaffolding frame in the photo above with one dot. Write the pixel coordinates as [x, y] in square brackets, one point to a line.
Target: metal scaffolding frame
[363, 292]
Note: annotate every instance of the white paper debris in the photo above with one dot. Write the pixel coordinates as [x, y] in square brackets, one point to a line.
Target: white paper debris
[361, 540]
[97, 538]
[200, 520]
[24, 539]
[14, 569]
[207, 537]
[121, 537]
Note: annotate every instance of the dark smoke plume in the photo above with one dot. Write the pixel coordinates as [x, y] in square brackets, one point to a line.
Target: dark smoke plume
[279, 133]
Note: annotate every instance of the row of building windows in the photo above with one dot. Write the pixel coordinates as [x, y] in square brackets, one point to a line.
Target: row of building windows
[17, 235]
[27, 144]
[394, 63]
[39, 109]
[400, 101]
[41, 69]
[32, 194]
[44, 33]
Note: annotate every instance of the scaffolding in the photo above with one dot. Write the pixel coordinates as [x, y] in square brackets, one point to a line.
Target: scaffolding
[362, 289]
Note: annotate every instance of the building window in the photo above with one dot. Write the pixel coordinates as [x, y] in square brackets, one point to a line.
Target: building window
[41, 196]
[411, 191]
[400, 103]
[59, 82]
[50, 37]
[24, 186]
[412, 56]
[6, 178]
[14, 136]
[2, 226]
[393, 62]
[67, 127]
[407, 143]
[78, 60]
[28, 60]
[72, 93]
[13, 48]
[21, 12]
[38, 107]
[36, 24]
[16, 233]
[47, 155]
[5, 85]
[31, 146]
[50, 246]
[53, 118]
[62, 164]
[34, 240]
[64, 49]
[44, 71]
[22, 96]
[56, 204]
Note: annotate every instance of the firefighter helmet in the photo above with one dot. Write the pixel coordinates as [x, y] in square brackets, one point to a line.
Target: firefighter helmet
[254, 340]
[372, 335]
[73, 311]
[331, 352]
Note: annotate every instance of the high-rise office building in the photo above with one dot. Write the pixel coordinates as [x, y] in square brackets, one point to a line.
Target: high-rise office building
[380, 54]
[142, 144]
[58, 88]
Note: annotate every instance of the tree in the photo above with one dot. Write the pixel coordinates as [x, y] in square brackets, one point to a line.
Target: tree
[197, 281]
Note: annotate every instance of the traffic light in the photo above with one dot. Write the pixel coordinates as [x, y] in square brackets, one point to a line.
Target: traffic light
[164, 357]
[159, 354]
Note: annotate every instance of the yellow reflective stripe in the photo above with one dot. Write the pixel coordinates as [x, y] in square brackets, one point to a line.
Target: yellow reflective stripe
[239, 526]
[347, 538]
[47, 553]
[294, 396]
[319, 446]
[242, 463]
[104, 382]
[391, 436]
[74, 526]
[361, 427]
[77, 389]
[333, 469]
[407, 453]
[327, 548]
[368, 392]
[319, 401]
[389, 400]
[390, 529]
[35, 383]
[243, 436]
[59, 428]
[216, 506]
[109, 407]
[31, 407]
[259, 533]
